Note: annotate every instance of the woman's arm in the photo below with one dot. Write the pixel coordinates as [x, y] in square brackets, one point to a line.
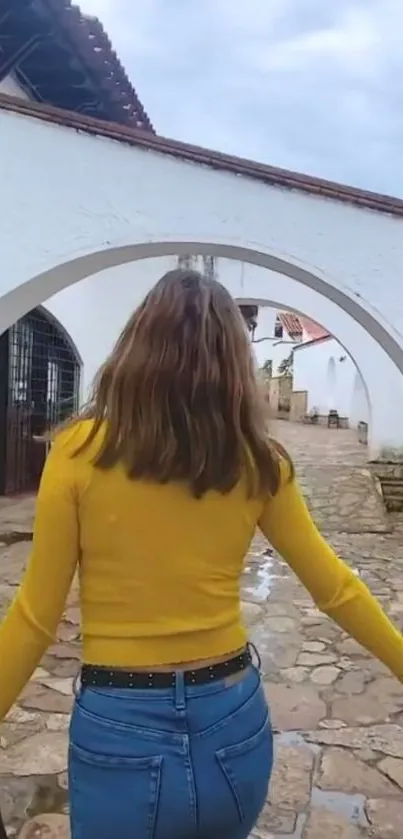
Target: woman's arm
[31, 623]
[336, 590]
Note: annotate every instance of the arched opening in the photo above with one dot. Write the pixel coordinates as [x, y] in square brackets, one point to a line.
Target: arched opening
[39, 387]
[63, 333]
[360, 325]
[324, 372]
[38, 289]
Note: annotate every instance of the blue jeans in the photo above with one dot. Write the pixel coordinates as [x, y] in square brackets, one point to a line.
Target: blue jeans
[183, 763]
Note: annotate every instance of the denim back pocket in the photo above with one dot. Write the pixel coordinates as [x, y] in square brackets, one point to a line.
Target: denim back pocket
[247, 768]
[113, 796]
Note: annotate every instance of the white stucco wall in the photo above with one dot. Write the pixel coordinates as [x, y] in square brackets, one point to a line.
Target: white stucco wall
[90, 203]
[96, 310]
[331, 380]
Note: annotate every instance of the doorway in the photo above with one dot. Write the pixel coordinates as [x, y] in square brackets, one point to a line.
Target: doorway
[39, 388]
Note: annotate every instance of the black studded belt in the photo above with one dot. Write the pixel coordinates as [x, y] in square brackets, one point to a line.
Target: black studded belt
[105, 677]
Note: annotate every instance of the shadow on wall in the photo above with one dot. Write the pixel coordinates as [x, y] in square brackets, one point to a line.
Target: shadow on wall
[359, 411]
[331, 385]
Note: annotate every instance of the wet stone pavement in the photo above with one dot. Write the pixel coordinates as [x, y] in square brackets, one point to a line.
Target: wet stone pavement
[337, 713]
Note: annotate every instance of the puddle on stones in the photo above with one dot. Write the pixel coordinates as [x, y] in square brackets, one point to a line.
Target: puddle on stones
[294, 738]
[350, 807]
[259, 579]
[301, 822]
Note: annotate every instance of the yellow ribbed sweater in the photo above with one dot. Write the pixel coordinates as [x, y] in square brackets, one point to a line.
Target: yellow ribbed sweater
[159, 571]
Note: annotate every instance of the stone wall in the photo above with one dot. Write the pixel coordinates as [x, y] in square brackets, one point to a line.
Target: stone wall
[279, 394]
[299, 405]
[390, 482]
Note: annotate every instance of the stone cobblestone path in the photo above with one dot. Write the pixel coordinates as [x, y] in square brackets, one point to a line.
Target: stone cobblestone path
[337, 713]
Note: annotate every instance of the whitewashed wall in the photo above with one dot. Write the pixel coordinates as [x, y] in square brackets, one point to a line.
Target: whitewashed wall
[331, 380]
[360, 409]
[95, 310]
[90, 202]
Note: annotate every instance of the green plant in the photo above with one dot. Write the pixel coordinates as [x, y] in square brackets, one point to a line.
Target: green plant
[286, 366]
[267, 368]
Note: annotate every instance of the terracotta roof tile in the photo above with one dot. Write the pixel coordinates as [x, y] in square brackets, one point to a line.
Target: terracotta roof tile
[291, 324]
[95, 48]
[296, 325]
[78, 45]
[314, 330]
[313, 341]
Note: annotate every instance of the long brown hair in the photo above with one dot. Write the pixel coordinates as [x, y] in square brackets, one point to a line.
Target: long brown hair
[180, 395]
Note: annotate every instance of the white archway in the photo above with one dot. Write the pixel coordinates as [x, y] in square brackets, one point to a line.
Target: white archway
[364, 406]
[358, 316]
[36, 290]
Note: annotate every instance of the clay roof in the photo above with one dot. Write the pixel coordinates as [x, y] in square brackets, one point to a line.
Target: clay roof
[296, 325]
[314, 330]
[71, 63]
[291, 324]
[207, 157]
[313, 341]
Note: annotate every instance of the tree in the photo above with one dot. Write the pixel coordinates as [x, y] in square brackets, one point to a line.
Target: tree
[286, 366]
[267, 368]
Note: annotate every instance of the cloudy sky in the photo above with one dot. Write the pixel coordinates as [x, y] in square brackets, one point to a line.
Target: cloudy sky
[310, 85]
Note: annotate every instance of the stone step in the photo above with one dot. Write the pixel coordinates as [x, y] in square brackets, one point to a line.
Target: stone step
[11, 537]
[394, 488]
[392, 493]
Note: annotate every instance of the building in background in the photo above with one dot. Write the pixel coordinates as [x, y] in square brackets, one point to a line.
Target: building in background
[307, 371]
[278, 332]
[326, 374]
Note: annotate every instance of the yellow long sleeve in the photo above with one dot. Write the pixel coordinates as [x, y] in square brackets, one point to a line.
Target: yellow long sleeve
[34, 615]
[334, 587]
[159, 570]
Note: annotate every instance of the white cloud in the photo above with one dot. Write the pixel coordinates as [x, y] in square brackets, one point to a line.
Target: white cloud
[302, 84]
